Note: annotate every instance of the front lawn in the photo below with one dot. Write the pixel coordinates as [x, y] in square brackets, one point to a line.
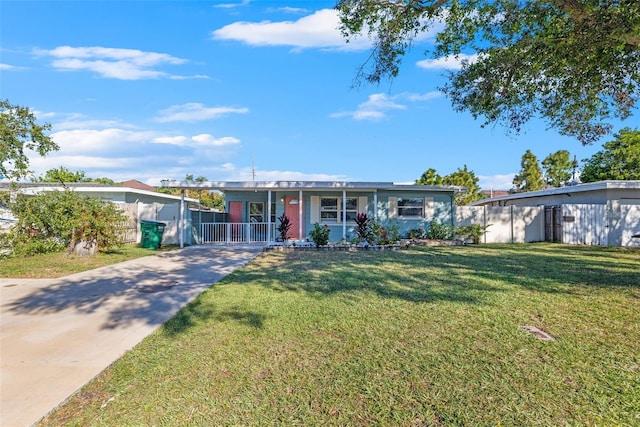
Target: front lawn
[428, 336]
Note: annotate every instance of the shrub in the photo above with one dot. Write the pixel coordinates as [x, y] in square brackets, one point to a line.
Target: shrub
[284, 227]
[473, 232]
[320, 234]
[385, 234]
[52, 221]
[416, 233]
[439, 231]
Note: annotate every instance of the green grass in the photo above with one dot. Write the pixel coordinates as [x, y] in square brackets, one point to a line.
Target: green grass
[427, 336]
[60, 264]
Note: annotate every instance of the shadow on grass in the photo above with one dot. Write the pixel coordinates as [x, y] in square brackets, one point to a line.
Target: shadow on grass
[455, 274]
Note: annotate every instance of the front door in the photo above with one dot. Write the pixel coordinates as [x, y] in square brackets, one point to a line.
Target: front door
[235, 216]
[292, 209]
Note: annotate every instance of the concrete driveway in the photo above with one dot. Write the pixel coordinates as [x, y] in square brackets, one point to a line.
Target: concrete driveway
[57, 334]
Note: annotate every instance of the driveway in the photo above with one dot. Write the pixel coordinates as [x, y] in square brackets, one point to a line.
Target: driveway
[57, 334]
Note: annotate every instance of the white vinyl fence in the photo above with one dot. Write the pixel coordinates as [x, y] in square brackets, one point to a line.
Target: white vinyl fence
[507, 224]
[612, 224]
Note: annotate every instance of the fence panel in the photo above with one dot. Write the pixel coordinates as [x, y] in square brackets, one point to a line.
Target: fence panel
[507, 224]
[584, 224]
[630, 223]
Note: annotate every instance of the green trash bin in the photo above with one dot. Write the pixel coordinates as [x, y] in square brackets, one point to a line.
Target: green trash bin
[151, 233]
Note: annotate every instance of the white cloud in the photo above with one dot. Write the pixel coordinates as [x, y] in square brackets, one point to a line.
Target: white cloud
[207, 139]
[447, 63]
[203, 140]
[318, 30]
[378, 104]
[123, 64]
[246, 174]
[79, 121]
[191, 112]
[7, 67]
[232, 5]
[92, 141]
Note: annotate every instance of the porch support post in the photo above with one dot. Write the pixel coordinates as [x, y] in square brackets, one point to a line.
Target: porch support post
[344, 214]
[181, 219]
[268, 216]
[375, 205]
[300, 224]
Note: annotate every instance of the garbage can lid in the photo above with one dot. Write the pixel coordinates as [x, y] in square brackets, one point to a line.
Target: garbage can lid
[148, 221]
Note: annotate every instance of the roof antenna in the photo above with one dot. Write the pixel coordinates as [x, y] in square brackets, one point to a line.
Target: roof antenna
[253, 169]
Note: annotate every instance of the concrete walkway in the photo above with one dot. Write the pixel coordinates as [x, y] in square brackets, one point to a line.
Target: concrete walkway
[57, 334]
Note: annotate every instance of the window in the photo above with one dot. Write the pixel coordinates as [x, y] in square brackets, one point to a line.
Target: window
[256, 212]
[411, 207]
[331, 209]
[273, 212]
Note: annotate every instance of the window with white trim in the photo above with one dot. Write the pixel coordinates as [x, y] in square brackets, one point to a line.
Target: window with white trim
[411, 207]
[331, 209]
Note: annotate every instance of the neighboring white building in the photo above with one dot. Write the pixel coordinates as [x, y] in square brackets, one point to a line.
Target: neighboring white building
[598, 213]
[138, 204]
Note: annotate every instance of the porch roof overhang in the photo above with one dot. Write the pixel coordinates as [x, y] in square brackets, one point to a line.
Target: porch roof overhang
[306, 186]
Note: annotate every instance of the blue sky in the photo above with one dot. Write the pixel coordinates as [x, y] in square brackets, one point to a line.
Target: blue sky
[149, 90]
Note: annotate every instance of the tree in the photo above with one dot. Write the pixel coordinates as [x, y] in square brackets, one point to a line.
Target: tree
[53, 221]
[557, 168]
[63, 175]
[468, 179]
[429, 177]
[530, 177]
[619, 160]
[19, 132]
[572, 62]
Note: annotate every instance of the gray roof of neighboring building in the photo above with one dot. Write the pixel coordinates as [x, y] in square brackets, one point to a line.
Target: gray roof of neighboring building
[89, 187]
[591, 186]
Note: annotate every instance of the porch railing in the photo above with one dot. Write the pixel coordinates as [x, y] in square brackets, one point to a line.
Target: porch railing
[236, 232]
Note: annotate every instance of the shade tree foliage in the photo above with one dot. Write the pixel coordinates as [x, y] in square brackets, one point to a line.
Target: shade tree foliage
[575, 63]
[619, 159]
[20, 134]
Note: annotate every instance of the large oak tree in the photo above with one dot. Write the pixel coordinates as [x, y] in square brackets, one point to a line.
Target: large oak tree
[19, 134]
[575, 63]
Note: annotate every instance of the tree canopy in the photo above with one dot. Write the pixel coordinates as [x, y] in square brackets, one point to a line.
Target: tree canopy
[576, 63]
[619, 159]
[209, 199]
[557, 168]
[530, 177]
[63, 175]
[462, 177]
[19, 132]
[429, 177]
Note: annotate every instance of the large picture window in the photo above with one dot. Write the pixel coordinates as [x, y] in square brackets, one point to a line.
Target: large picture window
[412, 207]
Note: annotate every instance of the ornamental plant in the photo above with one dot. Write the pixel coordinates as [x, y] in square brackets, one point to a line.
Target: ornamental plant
[284, 227]
[320, 234]
[363, 227]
